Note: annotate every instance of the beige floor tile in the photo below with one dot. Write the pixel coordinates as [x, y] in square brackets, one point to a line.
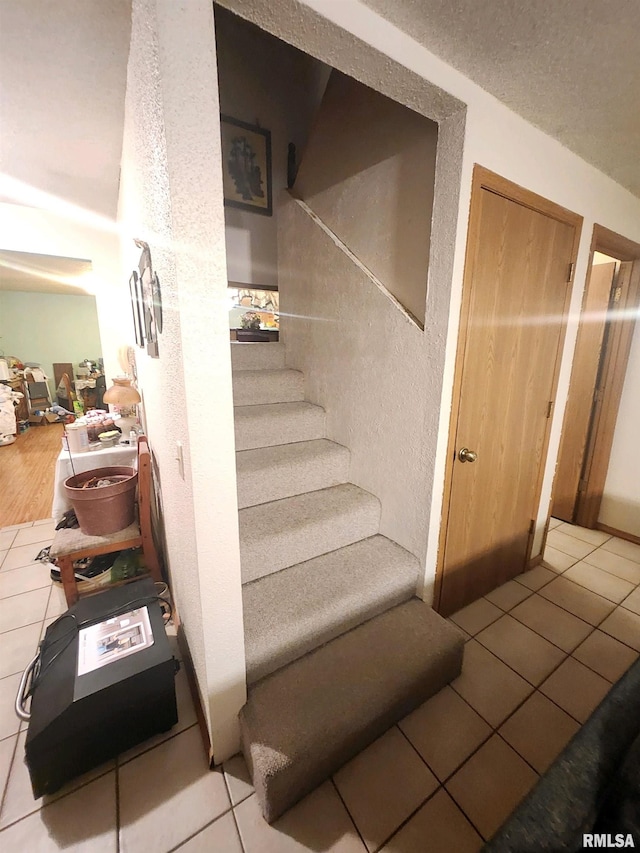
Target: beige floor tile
[17, 558]
[583, 603]
[439, 827]
[7, 538]
[7, 747]
[41, 535]
[476, 616]
[554, 522]
[9, 722]
[602, 583]
[615, 564]
[3, 554]
[539, 731]
[623, 625]
[236, 775]
[569, 544]
[15, 527]
[576, 689]
[606, 656]
[44, 521]
[183, 787]
[508, 595]
[17, 581]
[18, 647]
[557, 560]
[319, 823]
[561, 628]
[591, 537]
[220, 835]
[19, 801]
[186, 718]
[630, 550]
[522, 649]
[536, 578]
[491, 784]
[24, 609]
[488, 685]
[83, 822]
[382, 786]
[445, 731]
[632, 602]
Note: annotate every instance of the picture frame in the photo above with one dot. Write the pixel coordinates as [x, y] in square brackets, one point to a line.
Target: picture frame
[136, 308]
[246, 166]
[151, 299]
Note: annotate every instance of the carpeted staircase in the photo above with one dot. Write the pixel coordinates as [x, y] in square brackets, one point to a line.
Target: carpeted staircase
[338, 648]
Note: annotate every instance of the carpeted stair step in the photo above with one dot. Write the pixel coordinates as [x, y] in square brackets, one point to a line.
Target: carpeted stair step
[256, 387]
[257, 356]
[282, 533]
[277, 423]
[292, 612]
[271, 473]
[306, 720]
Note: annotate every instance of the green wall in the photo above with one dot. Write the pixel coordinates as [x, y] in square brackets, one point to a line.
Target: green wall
[48, 327]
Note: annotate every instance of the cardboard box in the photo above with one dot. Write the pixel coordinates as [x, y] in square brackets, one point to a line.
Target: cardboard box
[46, 418]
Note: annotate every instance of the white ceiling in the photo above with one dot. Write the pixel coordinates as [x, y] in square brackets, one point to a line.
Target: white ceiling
[570, 67]
[44, 273]
[63, 70]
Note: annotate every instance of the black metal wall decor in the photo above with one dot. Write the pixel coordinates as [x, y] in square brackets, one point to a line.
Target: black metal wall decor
[146, 301]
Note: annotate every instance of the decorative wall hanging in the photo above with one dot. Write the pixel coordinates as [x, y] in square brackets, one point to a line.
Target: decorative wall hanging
[148, 285]
[246, 166]
[137, 308]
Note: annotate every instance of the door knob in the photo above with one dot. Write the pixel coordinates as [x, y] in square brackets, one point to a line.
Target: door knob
[467, 455]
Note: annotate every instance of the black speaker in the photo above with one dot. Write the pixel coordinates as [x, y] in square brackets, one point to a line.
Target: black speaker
[124, 694]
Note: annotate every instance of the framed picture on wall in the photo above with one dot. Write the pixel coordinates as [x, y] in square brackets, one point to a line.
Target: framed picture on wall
[246, 166]
[136, 307]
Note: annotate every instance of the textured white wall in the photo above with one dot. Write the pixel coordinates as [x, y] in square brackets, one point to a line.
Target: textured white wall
[368, 365]
[171, 196]
[368, 172]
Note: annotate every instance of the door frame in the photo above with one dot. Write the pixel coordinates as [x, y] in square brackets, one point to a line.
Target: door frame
[614, 362]
[484, 179]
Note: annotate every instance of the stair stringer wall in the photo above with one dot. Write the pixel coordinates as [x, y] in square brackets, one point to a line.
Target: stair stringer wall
[375, 372]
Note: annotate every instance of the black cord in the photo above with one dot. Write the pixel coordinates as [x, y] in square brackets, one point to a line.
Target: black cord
[69, 636]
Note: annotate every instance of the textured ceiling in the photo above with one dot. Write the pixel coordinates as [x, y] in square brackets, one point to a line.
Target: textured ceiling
[44, 273]
[62, 80]
[570, 67]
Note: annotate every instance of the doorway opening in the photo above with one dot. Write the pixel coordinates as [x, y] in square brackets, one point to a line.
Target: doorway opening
[585, 463]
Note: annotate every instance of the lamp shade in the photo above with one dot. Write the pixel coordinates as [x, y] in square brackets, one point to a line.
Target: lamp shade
[121, 393]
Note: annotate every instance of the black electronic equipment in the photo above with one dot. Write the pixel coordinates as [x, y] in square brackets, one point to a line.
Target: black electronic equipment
[124, 694]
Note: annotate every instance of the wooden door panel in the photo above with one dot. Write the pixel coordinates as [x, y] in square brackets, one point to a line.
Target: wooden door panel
[584, 373]
[516, 314]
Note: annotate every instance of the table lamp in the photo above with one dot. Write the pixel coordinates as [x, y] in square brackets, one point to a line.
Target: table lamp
[124, 398]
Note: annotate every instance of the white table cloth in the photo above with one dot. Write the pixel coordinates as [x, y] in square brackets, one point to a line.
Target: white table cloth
[103, 457]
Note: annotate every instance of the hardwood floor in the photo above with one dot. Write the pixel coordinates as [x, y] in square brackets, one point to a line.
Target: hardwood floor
[27, 473]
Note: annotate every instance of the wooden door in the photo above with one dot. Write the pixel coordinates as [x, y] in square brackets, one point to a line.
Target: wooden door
[516, 296]
[584, 374]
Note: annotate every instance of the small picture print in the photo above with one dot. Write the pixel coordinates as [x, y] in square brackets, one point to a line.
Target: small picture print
[246, 166]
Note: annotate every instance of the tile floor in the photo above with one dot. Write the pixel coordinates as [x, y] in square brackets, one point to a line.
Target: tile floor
[541, 653]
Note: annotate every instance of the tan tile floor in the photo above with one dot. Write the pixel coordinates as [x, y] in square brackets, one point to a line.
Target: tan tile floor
[541, 653]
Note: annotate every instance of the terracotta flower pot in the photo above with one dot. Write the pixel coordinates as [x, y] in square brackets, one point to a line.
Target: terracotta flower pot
[105, 509]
